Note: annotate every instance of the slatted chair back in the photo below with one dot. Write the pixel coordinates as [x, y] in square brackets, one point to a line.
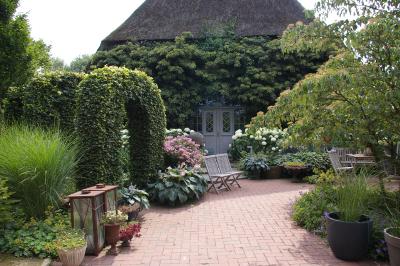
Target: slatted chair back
[334, 158]
[212, 165]
[224, 163]
[342, 153]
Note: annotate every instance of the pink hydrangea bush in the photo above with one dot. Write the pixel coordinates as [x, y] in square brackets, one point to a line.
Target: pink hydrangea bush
[182, 150]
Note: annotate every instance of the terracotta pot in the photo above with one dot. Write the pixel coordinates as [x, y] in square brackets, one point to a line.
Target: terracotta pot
[72, 257]
[393, 243]
[112, 237]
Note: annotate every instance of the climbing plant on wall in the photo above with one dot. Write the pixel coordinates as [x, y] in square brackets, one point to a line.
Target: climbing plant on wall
[111, 98]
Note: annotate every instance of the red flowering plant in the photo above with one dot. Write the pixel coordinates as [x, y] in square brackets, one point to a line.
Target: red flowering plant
[182, 150]
[128, 232]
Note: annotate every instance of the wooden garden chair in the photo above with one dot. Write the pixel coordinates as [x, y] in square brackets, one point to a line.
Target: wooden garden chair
[336, 163]
[216, 179]
[343, 158]
[226, 168]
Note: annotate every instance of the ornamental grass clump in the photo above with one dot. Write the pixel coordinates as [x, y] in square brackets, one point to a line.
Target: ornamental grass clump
[38, 164]
[352, 197]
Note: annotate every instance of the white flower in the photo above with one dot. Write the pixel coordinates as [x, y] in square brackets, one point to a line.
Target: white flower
[192, 131]
[251, 136]
[239, 131]
[230, 145]
[59, 92]
[234, 137]
[274, 148]
[264, 143]
[264, 139]
[206, 152]
[179, 130]
[187, 129]
[273, 139]
[276, 136]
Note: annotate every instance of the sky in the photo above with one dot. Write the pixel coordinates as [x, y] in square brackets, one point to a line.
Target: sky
[76, 27]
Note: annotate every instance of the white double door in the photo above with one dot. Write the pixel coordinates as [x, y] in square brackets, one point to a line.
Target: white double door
[218, 129]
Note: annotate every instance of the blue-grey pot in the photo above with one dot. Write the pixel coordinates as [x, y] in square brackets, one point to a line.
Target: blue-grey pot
[349, 240]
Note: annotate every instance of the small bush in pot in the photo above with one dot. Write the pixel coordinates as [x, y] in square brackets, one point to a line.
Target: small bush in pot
[255, 165]
[132, 201]
[71, 247]
[112, 221]
[349, 230]
[177, 186]
[392, 237]
[127, 232]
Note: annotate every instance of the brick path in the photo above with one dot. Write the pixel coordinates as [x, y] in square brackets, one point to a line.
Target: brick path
[248, 226]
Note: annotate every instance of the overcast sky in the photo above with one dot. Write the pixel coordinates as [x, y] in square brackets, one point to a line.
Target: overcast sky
[76, 27]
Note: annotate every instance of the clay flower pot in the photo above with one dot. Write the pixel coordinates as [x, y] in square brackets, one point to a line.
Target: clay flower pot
[112, 237]
[393, 243]
[72, 257]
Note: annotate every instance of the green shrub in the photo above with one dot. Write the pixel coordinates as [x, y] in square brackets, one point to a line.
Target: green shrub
[255, 164]
[320, 177]
[48, 100]
[315, 160]
[37, 164]
[34, 238]
[6, 203]
[109, 98]
[309, 209]
[177, 186]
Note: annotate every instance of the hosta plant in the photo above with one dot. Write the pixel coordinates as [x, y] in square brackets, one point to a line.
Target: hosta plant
[132, 195]
[177, 186]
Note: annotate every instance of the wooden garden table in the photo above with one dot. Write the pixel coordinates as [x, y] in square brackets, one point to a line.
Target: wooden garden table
[361, 159]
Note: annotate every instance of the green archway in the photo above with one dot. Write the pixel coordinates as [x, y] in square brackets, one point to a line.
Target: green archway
[111, 98]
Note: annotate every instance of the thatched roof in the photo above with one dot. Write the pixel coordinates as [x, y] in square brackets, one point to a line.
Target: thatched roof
[165, 19]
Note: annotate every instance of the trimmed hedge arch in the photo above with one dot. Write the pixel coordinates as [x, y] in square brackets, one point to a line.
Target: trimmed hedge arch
[48, 100]
[111, 98]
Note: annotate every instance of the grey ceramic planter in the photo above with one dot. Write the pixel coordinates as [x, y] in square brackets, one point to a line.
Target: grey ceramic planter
[393, 244]
[349, 240]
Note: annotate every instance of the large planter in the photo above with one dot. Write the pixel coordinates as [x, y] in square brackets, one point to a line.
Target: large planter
[274, 172]
[296, 172]
[112, 237]
[349, 240]
[393, 244]
[72, 257]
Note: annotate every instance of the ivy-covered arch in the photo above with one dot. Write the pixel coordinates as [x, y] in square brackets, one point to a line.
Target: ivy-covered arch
[111, 98]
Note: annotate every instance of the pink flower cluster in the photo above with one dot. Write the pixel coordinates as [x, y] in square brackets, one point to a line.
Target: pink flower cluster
[184, 149]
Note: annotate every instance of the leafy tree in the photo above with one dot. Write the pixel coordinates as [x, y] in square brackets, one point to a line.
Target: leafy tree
[80, 63]
[354, 98]
[57, 64]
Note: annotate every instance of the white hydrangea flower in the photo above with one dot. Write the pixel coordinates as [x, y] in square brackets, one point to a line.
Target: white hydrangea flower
[192, 131]
[251, 136]
[234, 137]
[179, 130]
[187, 129]
[274, 148]
[273, 139]
[264, 143]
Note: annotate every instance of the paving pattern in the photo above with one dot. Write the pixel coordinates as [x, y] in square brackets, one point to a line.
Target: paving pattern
[248, 226]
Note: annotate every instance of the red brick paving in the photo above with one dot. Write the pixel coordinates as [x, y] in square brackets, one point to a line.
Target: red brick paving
[248, 226]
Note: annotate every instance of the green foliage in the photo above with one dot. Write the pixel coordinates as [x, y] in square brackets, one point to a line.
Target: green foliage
[48, 99]
[321, 177]
[353, 99]
[248, 71]
[80, 63]
[6, 203]
[177, 186]
[352, 198]
[109, 99]
[37, 164]
[35, 238]
[111, 217]
[70, 239]
[132, 195]
[255, 164]
[314, 160]
[20, 56]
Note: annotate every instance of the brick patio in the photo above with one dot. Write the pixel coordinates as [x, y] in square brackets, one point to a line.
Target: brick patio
[248, 226]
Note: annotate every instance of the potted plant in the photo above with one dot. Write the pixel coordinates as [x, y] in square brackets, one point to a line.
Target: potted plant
[275, 167]
[112, 221]
[256, 165]
[392, 238]
[133, 201]
[349, 229]
[296, 169]
[71, 247]
[129, 231]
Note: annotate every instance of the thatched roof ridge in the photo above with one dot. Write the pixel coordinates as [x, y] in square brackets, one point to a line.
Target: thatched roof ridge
[165, 19]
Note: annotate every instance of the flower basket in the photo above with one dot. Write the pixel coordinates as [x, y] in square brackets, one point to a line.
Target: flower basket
[72, 257]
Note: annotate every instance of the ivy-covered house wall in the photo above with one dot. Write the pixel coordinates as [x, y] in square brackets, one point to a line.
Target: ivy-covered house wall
[250, 71]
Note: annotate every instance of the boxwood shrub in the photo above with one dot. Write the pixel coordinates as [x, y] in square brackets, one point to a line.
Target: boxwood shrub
[110, 99]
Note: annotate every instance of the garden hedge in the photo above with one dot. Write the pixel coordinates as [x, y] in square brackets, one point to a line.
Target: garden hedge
[48, 100]
[110, 99]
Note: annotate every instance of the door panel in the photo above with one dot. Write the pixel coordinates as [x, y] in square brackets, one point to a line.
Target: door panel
[218, 129]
